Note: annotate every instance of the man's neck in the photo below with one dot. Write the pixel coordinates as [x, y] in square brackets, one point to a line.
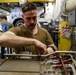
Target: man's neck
[34, 31]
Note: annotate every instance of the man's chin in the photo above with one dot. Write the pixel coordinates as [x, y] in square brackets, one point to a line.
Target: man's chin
[31, 28]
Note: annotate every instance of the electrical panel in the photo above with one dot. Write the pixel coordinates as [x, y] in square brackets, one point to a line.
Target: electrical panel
[72, 18]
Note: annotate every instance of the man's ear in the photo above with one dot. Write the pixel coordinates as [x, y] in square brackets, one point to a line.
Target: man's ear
[23, 16]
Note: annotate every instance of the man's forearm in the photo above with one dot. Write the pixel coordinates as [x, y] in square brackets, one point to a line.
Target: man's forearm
[15, 41]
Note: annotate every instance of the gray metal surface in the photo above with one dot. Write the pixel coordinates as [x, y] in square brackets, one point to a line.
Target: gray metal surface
[12, 73]
[19, 67]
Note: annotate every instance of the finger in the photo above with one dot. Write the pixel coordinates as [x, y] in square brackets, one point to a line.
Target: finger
[45, 52]
[40, 50]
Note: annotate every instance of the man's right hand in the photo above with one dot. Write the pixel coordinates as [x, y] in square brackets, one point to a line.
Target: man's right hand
[40, 46]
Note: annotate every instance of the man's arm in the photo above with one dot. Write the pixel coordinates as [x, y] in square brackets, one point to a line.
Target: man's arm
[9, 39]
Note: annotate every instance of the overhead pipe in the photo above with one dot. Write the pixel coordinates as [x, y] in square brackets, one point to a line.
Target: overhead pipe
[10, 5]
[4, 8]
[63, 7]
[70, 6]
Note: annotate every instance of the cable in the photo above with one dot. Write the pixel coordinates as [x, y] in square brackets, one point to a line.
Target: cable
[64, 67]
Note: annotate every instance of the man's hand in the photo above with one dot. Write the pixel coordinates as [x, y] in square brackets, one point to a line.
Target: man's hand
[50, 50]
[42, 48]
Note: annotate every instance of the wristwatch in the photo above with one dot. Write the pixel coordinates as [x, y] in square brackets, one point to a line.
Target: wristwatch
[52, 48]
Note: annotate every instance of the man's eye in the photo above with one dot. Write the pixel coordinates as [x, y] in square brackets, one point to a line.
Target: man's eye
[28, 18]
[34, 18]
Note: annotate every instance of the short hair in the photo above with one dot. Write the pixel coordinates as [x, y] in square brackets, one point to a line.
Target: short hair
[28, 6]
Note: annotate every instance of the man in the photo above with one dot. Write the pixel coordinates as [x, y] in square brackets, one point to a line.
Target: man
[29, 36]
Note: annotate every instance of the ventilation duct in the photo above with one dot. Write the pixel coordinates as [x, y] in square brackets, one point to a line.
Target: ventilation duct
[70, 6]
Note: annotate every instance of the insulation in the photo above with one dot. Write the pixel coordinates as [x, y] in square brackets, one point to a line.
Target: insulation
[70, 5]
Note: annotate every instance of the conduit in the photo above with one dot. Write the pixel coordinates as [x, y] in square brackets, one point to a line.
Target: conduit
[70, 5]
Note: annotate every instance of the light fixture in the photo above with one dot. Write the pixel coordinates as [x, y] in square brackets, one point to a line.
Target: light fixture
[22, 1]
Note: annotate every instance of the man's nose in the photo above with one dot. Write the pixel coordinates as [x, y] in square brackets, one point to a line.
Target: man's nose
[32, 21]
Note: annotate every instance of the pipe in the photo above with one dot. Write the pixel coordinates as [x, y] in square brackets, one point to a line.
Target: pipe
[73, 69]
[30, 55]
[67, 66]
[73, 59]
[4, 8]
[70, 6]
[63, 65]
[11, 5]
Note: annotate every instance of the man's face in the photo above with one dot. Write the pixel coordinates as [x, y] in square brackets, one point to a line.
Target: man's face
[30, 19]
